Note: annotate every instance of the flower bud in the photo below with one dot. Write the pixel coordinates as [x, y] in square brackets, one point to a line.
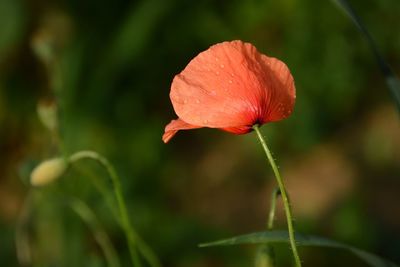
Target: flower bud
[47, 112]
[48, 171]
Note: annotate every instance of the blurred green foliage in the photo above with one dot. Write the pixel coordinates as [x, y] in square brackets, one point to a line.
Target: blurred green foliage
[109, 64]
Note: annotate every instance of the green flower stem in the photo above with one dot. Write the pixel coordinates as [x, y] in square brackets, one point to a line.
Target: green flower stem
[271, 216]
[285, 197]
[133, 238]
[265, 256]
[129, 231]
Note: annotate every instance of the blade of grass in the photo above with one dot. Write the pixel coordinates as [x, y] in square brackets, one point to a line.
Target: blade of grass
[392, 81]
[100, 235]
[301, 240]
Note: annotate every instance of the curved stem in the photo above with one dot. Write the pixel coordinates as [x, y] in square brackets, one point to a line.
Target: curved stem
[285, 197]
[87, 215]
[131, 234]
[102, 188]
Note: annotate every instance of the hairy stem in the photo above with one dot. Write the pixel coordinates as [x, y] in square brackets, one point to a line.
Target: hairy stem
[284, 194]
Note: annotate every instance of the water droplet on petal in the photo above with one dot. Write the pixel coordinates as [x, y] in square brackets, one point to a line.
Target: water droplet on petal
[217, 72]
[213, 92]
[230, 81]
[185, 101]
[205, 121]
[197, 101]
[222, 66]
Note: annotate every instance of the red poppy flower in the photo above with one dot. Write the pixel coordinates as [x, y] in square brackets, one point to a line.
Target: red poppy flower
[231, 86]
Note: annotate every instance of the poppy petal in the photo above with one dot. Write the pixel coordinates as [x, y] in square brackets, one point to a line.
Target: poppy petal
[232, 85]
[174, 126]
[283, 91]
[238, 129]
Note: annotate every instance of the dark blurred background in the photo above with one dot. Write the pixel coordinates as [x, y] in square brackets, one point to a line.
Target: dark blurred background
[107, 67]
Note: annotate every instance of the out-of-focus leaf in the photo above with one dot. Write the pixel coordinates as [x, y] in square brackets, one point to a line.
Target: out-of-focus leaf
[392, 80]
[11, 20]
[134, 34]
[136, 30]
[301, 240]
